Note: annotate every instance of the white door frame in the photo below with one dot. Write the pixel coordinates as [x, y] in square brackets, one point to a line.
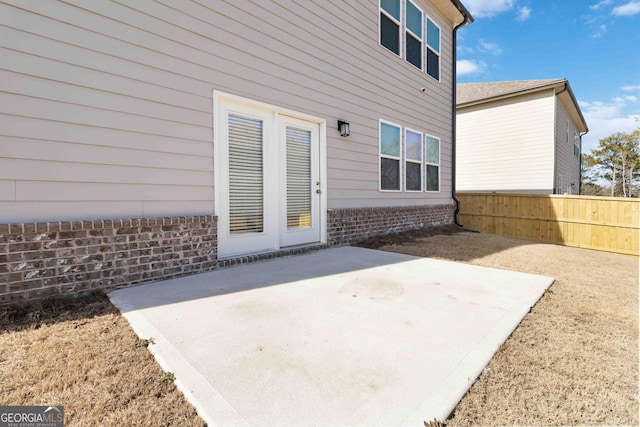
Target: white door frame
[291, 237]
[222, 103]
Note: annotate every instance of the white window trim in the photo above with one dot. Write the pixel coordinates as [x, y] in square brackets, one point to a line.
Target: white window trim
[412, 34]
[439, 164]
[380, 156]
[427, 47]
[420, 162]
[400, 27]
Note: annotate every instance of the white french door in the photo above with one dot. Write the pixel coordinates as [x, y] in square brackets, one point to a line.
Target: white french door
[268, 186]
[300, 182]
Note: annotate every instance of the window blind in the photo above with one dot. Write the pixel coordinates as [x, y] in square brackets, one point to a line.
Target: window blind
[246, 205]
[298, 146]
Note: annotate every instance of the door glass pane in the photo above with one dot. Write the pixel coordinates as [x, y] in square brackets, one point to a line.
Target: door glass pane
[298, 178]
[245, 175]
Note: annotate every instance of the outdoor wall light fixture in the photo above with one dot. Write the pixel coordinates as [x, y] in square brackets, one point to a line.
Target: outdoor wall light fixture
[343, 127]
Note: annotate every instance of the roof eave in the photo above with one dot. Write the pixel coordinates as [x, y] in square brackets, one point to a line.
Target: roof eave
[551, 85]
[466, 15]
[576, 107]
[558, 84]
[454, 11]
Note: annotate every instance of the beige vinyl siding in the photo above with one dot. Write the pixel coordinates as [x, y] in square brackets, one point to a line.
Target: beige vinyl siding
[567, 164]
[507, 145]
[7, 190]
[106, 107]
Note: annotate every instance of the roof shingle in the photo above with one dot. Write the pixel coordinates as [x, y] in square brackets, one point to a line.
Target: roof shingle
[473, 92]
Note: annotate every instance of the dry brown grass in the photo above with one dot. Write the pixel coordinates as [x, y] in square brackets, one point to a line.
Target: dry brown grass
[573, 360]
[82, 354]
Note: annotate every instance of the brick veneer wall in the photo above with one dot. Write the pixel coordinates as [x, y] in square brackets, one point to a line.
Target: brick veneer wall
[347, 226]
[46, 259]
[49, 259]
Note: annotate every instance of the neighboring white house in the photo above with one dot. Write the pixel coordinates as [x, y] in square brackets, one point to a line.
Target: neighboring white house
[130, 129]
[518, 137]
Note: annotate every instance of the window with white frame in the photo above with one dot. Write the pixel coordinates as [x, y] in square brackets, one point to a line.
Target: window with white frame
[413, 160]
[390, 24]
[390, 156]
[413, 34]
[432, 163]
[420, 45]
[409, 159]
[433, 49]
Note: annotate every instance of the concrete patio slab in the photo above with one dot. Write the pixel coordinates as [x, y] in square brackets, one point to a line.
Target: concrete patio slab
[342, 337]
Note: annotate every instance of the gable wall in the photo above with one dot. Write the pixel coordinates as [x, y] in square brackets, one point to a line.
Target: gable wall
[106, 107]
[507, 145]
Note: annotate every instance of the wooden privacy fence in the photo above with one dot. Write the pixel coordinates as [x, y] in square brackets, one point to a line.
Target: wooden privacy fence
[603, 223]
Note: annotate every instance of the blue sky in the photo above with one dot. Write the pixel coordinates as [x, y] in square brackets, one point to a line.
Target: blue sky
[595, 44]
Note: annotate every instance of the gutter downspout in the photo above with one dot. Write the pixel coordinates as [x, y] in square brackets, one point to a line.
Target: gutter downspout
[466, 19]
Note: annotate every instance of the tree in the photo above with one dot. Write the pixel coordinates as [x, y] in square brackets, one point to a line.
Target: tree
[590, 189]
[590, 181]
[616, 160]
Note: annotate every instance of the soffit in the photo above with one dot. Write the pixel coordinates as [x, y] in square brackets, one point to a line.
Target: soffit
[453, 10]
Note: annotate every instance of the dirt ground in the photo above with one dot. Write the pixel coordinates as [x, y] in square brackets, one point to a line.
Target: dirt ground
[82, 354]
[573, 360]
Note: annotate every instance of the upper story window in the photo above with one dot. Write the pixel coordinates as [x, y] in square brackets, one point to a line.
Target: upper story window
[413, 35]
[390, 25]
[405, 31]
[433, 49]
